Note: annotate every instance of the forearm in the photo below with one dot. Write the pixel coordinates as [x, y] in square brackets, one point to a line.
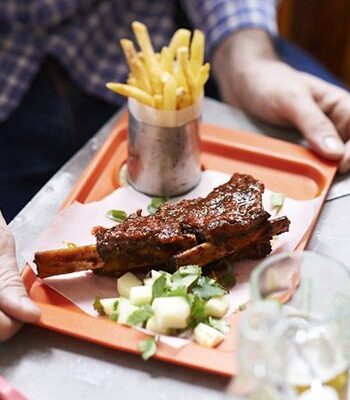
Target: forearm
[235, 56]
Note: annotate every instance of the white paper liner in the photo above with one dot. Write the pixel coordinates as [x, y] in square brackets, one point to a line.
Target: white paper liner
[162, 118]
[75, 223]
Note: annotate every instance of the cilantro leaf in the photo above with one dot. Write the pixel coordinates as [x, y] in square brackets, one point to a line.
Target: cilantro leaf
[158, 287]
[156, 202]
[141, 315]
[98, 306]
[198, 312]
[186, 276]
[117, 215]
[180, 291]
[185, 281]
[207, 288]
[219, 324]
[148, 348]
[189, 270]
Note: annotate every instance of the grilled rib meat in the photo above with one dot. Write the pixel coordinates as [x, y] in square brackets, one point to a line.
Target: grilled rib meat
[229, 221]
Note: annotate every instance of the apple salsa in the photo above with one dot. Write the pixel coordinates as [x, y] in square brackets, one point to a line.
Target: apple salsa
[184, 303]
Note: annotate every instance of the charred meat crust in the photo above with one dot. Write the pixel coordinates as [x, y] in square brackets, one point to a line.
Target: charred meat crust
[229, 221]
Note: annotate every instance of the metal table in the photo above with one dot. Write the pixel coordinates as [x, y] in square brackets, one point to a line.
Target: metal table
[46, 365]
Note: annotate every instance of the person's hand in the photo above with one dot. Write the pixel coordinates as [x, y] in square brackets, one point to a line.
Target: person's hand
[15, 305]
[250, 76]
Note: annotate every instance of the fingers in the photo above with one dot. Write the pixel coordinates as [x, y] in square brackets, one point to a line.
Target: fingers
[14, 300]
[315, 126]
[334, 102]
[8, 327]
[344, 165]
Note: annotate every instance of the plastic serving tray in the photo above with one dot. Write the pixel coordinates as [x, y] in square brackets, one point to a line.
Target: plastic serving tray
[282, 166]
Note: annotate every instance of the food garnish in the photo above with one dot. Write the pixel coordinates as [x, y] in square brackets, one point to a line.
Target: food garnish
[117, 215]
[148, 347]
[156, 202]
[170, 304]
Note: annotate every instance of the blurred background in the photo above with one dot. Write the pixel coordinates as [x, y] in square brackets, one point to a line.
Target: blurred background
[321, 27]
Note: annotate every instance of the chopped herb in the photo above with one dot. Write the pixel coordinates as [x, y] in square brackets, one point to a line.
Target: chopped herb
[115, 311]
[242, 307]
[156, 202]
[98, 306]
[114, 316]
[148, 348]
[141, 315]
[219, 324]
[71, 245]
[117, 215]
[186, 281]
[180, 291]
[186, 276]
[189, 270]
[207, 288]
[198, 312]
[277, 201]
[159, 286]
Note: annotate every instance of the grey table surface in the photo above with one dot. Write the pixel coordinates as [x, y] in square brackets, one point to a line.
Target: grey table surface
[46, 365]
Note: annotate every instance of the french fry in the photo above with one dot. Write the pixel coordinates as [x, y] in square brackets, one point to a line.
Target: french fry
[166, 60]
[201, 79]
[184, 101]
[180, 91]
[140, 73]
[129, 51]
[181, 80]
[181, 38]
[131, 81]
[169, 94]
[197, 51]
[184, 65]
[130, 91]
[143, 38]
[158, 101]
[144, 41]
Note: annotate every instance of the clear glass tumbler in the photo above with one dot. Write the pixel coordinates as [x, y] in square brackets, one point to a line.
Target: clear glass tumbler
[312, 336]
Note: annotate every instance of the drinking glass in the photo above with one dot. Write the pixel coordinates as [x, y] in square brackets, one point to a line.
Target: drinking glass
[311, 330]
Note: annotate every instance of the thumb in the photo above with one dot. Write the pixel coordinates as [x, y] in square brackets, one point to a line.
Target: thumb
[14, 300]
[319, 131]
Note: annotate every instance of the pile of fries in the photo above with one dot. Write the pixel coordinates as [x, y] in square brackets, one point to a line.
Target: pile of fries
[170, 80]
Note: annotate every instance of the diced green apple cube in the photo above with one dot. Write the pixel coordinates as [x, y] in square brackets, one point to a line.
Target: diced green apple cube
[207, 336]
[218, 306]
[140, 295]
[153, 326]
[126, 282]
[171, 312]
[148, 282]
[125, 309]
[109, 305]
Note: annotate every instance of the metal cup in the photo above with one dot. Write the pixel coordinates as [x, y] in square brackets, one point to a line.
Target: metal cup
[163, 161]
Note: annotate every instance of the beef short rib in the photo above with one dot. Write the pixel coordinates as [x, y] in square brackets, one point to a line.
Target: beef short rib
[229, 221]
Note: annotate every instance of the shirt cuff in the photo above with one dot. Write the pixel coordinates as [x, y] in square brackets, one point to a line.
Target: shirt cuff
[220, 18]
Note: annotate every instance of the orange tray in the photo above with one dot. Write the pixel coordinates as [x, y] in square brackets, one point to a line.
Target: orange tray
[282, 166]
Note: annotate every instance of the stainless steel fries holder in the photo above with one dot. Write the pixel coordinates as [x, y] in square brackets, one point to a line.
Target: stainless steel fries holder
[163, 160]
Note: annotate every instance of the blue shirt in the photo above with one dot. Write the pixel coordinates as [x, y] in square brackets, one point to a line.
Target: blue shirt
[84, 36]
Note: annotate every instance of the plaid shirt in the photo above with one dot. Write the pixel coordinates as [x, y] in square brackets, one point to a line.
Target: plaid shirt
[83, 35]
